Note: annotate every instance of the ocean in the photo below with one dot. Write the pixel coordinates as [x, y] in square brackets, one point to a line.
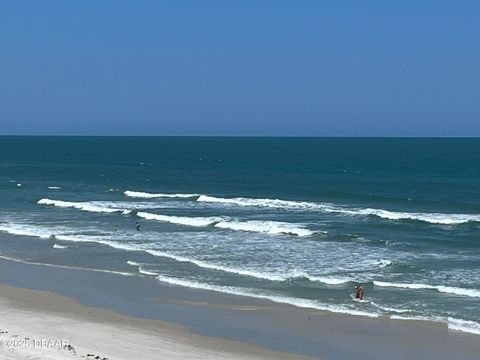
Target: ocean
[299, 221]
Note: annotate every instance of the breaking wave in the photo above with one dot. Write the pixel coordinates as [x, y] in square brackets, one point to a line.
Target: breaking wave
[91, 206]
[383, 263]
[271, 203]
[26, 230]
[464, 325]
[145, 195]
[267, 227]
[222, 222]
[181, 220]
[330, 280]
[433, 218]
[57, 246]
[140, 268]
[303, 303]
[440, 288]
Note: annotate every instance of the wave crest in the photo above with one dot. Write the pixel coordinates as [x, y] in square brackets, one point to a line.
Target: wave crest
[90, 206]
[266, 227]
[298, 302]
[181, 220]
[433, 218]
[145, 195]
[441, 288]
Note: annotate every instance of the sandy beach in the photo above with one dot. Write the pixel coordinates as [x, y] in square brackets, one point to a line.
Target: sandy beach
[59, 313]
[43, 325]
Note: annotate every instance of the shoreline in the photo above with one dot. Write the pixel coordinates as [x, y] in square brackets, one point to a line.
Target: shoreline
[273, 299]
[44, 325]
[254, 328]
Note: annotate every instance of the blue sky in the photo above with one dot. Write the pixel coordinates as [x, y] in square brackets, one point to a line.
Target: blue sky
[299, 68]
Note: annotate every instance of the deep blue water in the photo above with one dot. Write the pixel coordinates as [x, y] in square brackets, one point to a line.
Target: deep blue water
[296, 220]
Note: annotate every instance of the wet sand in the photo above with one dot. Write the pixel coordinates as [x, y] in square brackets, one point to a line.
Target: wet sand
[125, 317]
[43, 325]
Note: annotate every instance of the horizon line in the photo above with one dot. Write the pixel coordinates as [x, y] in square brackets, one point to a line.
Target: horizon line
[255, 136]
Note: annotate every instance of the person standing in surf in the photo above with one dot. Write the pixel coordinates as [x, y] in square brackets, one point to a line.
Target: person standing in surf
[137, 226]
[359, 292]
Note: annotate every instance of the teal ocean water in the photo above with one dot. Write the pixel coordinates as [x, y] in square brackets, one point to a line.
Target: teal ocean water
[297, 221]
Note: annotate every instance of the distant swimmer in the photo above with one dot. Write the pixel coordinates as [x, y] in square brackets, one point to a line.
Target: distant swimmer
[137, 226]
[359, 292]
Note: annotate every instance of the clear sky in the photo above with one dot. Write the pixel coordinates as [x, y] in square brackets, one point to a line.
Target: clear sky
[315, 68]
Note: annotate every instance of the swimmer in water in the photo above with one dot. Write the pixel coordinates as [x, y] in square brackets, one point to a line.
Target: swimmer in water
[359, 292]
[137, 226]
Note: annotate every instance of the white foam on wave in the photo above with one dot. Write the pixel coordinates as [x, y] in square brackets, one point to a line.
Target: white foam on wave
[26, 230]
[38, 232]
[267, 227]
[98, 240]
[54, 187]
[91, 206]
[199, 263]
[46, 234]
[383, 263]
[207, 265]
[57, 246]
[181, 220]
[145, 195]
[463, 325]
[440, 288]
[140, 268]
[303, 303]
[433, 218]
[411, 318]
[272, 203]
[330, 280]
[66, 267]
[389, 309]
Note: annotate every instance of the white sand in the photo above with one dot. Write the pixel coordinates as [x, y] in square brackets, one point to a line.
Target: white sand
[41, 325]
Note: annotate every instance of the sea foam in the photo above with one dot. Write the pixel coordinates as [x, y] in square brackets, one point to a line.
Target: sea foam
[469, 326]
[141, 270]
[433, 218]
[57, 246]
[90, 206]
[271, 203]
[303, 303]
[26, 230]
[181, 220]
[259, 274]
[145, 195]
[267, 227]
[440, 288]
